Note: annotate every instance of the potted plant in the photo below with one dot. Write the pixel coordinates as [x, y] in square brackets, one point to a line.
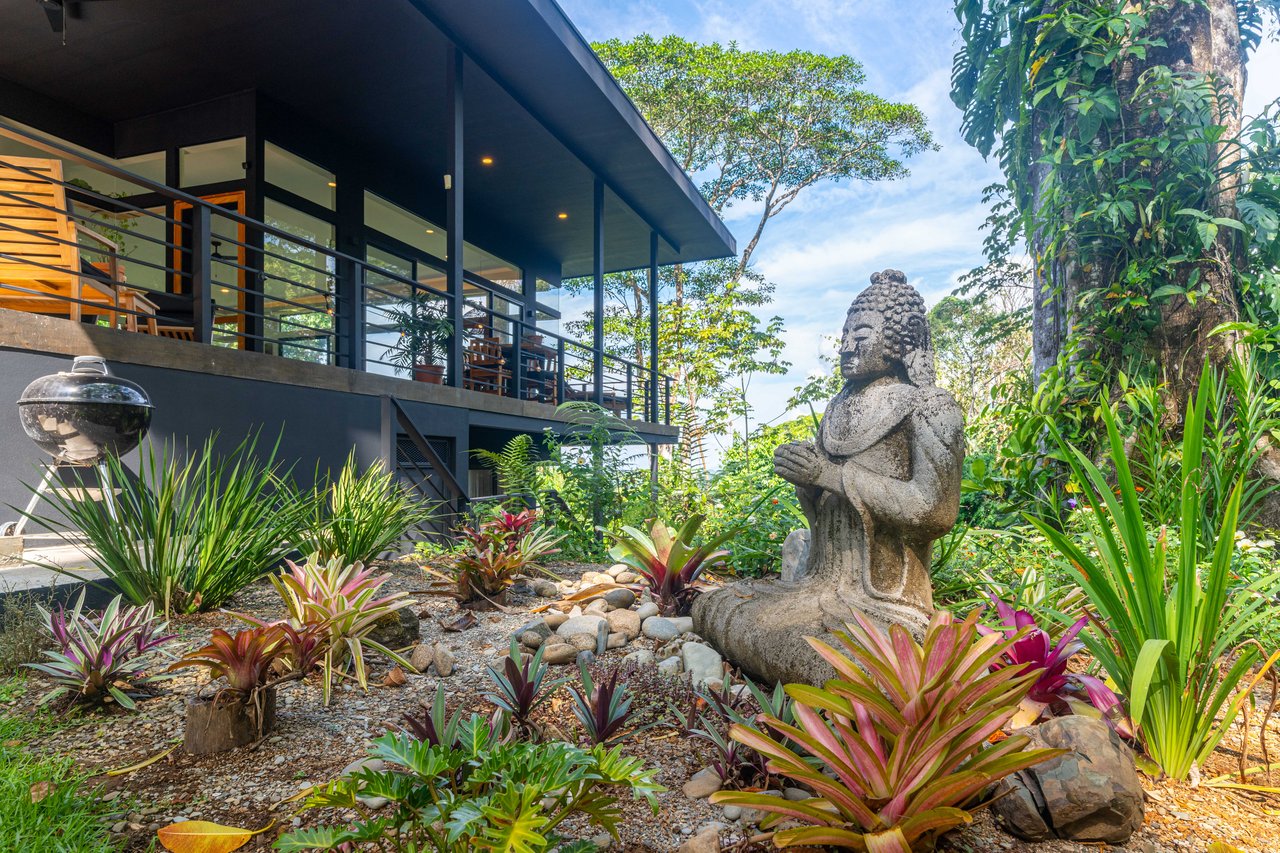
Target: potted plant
[253, 662]
[421, 347]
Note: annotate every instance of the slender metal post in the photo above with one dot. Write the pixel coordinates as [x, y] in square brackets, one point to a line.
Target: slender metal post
[454, 272]
[653, 327]
[597, 271]
[560, 368]
[201, 264]
[517, 356]
[15, 529]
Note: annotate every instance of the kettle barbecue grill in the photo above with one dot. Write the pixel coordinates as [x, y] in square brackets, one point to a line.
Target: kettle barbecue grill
[81, 418]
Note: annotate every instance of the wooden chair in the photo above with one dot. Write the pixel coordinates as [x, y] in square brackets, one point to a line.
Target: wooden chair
[41, 269]
[485, 368]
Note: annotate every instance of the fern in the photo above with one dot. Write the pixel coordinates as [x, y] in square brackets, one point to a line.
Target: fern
[515, 465]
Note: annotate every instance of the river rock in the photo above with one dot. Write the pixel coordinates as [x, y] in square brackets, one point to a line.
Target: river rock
[397, 629]
[616, 641]
[1091, 794]
[639, 658]
[620, 598]
[596, 607]
[625, 622]
[585, 624]
[616, 569]
[583, 642]
[702, 784]
[422, 657]
[628, 577]
[706, 840]
[647, 609]
[702, 662]
[560, 653]
[684, 624]
[545, 587]
[555, 619]
[660, 629]
[444, 661]
[532, 639]
[670, 666]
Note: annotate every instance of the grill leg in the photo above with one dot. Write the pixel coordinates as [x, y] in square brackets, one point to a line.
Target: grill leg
[15, 528]
[108, 492]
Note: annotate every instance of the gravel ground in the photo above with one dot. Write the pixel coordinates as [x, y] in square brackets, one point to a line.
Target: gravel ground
[311, 744]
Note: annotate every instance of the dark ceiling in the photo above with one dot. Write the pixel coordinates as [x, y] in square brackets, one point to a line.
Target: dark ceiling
[371, 74]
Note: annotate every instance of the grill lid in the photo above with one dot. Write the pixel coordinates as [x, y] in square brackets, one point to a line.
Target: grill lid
[88, 381]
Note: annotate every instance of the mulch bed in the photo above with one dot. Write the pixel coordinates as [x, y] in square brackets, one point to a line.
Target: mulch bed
[311, 744]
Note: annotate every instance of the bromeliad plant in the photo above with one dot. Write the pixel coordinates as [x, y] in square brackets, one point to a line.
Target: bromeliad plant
[359, 516]
[897, 746]
[495, 553]
[521, 688]
[101, 661]
[716, 710]
[341, 602]
[483, 794]
[668, 561]
[1166, 623]
[1055, 690]
[258, 657]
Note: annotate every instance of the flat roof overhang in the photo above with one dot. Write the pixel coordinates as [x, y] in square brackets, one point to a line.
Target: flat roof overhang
[371, 76]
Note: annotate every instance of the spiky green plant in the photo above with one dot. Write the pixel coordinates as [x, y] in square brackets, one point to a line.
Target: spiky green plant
[897, 746]
[361, 515]
[186, 535]
[482, 795]
[1166, 625]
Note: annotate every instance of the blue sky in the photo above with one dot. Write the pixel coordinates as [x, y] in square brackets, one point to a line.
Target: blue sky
[822, 249]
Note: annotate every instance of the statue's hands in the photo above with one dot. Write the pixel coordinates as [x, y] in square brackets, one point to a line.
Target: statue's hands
[798, 462]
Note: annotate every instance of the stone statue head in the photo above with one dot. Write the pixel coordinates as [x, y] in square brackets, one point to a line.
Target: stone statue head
[887, 333]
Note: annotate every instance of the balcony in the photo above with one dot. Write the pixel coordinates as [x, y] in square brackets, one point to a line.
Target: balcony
[148, 259]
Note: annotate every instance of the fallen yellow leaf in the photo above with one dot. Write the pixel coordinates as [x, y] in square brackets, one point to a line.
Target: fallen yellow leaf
[202, 836]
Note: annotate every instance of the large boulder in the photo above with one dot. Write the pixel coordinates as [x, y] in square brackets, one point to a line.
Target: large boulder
[397, 629]
[1090, 794]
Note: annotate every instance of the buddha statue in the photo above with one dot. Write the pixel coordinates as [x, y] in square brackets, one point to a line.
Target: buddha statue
[880, 483]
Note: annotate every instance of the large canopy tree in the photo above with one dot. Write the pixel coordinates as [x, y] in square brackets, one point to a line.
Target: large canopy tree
[757, 129]
[1149, 204]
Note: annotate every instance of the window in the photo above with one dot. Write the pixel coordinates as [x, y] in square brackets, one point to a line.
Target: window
[211, 163]
[300, 177]
[482, 263]
[298, 286]
[399, 224]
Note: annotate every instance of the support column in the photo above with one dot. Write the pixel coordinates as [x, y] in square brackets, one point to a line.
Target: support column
[597, 270]
[654, 386]
[453, 185]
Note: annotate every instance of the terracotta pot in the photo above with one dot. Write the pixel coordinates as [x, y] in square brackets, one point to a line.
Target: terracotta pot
[221, 725]
[430, 373]
[533, 340]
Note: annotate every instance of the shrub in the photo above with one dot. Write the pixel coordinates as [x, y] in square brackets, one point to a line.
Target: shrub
[187, 535]
[1165, 621]
[897, 745]
[495, 553]
[44, 804]
[341, 602]
[104, 660]
[359, 516]
[668, 560]
[22, 632]
[482, 795]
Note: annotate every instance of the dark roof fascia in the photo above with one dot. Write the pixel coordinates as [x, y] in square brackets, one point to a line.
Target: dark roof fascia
[579, 49]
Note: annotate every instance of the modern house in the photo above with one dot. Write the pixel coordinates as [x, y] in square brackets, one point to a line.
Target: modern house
[349, 222]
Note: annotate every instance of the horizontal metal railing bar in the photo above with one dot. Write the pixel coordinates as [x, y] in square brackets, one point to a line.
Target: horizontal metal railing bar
[266, 253]
[82, 191]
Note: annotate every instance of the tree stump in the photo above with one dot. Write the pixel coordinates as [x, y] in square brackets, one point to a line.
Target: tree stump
[215, 725]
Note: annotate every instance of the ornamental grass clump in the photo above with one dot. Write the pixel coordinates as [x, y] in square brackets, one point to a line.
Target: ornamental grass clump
[340, 601]
[186, 535]
[103, 660]
[360, 515]
[897, 747]
[1166, 626]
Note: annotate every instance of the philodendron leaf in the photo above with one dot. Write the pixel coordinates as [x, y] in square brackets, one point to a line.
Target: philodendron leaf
[202, 836]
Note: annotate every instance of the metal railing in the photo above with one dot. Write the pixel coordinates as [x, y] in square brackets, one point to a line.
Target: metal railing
[159, 261]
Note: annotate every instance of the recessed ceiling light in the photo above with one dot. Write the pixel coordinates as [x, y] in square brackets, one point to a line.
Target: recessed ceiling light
[431, 230]
[333, 183]
[562, 216]
[488, 161]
